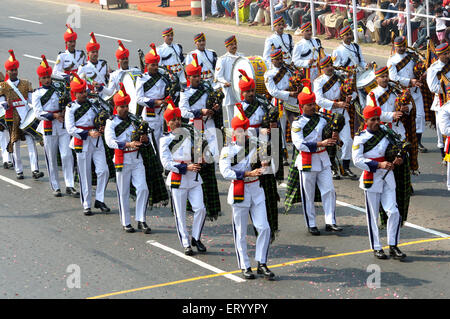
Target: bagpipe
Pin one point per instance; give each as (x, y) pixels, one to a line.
(215, 97)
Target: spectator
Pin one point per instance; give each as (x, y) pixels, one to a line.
(263, 13)
(401, 18)
(441, 26)
(296, 13)
(417, 21)
(253, 10)
(281, 10)
(370, 22)
(388, 22)
(333, 21)
(321, 10)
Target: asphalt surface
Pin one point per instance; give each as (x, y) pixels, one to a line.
(44, 237)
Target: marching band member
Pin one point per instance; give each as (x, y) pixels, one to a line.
(172, 55)
(327, 89)
(206, 57)
(278, 40)
(88, 146)
(46, 105)
(435, 74)
(385, 98)
(368, 154)
(313, 162)
(349, 54)
(223, 77)
(70, 60)
(15, 98)
(277, 84)
(306, 52)
(444, 124)
(184, 180)
(128, 162)
(246, 197)
(193, 108)
(401, 69)
(150, 94)
(95, 71)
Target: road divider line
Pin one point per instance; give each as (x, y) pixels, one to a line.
(273, 266)
(26, 20)
(109, 37)
(194, 260)
(8, 180)
(37, 58)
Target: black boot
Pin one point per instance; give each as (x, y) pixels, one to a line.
(263, 270)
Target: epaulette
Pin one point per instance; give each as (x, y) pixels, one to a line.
(360, 132)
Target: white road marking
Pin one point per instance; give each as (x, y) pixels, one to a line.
(195, 261)
(6, 179)
(37, 58)
(26, 20)
(109, 37)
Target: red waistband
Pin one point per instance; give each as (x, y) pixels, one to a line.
(378, 159)
(130, 151)
(255, 125)
(87, 128)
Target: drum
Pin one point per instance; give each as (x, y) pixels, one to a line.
(366, 81)
(255, 68)
(129, 79)
(2, 118)
(30, 125)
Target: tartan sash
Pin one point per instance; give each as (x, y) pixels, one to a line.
(307, 156)
(46, 97)
(122, 126)
(385, 96)
(329, 84)
(151, 83)
(403, 62)
(82, 110)
(197, 95)
(251, 108)
(175, 181)
(280, 74)
(369, 145)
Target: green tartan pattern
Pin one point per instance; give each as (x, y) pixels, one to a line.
(82, 110)
(210, 191)
(403, 192)
(197, 95)
(151, 83)
(269, 184)
(374, 140)
(46, 97)
(153, 176)
(122, 126)
(311, 125)
(251, 109)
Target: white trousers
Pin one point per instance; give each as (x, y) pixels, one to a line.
(51, 145)
(179, 199)
(324, 180)
(32, 152)
(240, 222)
(157, 124)
(4, 140)
(389, 203)
(132, 173)
(84, 161)
(440, 143)
(448, 176)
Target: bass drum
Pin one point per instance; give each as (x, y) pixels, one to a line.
(129, 79)
(30, 125)
(255, 67)
(366, 81)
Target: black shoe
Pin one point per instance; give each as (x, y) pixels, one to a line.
(332, 227)
(380, 254)
(197, 243)
(188, 251)
(102, 206)
(72, 192)
(37, 174)
(396, 253)
(314, 231)
(422, 149)
(247, 273)
(263, 270)
(87, 212)
(348, 173)
(57, 193)
(335, 174)
(5, 165)
(128, 229)
(19, 176)
(144, 227)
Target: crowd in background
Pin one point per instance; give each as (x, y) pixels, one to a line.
(373, 26)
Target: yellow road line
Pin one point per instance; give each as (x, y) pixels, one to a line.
(272, 266)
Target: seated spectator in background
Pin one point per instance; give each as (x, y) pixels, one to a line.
(388, 22)
(318, 11)
(370, 22)
(416, 21)
(263, 13)
(441, 25)
(253, 10)
(281, 10)
(229, 6)
(333, 21)
(296, 12)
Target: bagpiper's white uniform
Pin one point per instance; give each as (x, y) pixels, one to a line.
(223, 74)
(381, 191)
(145, 97)
(253, 205)
(93, 150)
(388, 109)
(304, 51)
(133, 171)
(98, 72)
(444, 124)
(207, 59)
(319, 174)
(23, 107)
(349, 55)
(66, 59)
(434, 84)
(176, 160)
(283, 42)
(58, 140)
(325, 101)
(404, 76)
(172, 57)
